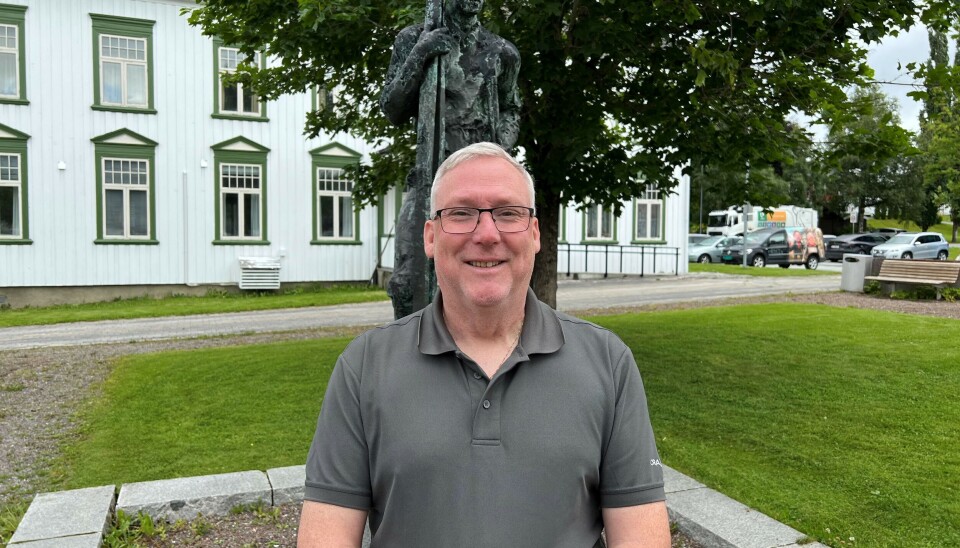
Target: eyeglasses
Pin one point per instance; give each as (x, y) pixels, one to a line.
(464, 220)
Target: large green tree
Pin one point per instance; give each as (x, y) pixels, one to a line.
(939, 138)
(617, 93)
(868, 151)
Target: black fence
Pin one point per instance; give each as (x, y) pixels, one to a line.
(609, 259)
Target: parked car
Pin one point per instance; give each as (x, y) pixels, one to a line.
(696, 238)
(710, 249)
(779, 246)
(889, 230)
(852, 243)
(914, 245)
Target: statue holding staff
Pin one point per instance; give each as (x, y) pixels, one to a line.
(459, 81)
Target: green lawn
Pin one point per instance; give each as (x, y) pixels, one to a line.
(767, 272)
(840, 422)
(146, 307)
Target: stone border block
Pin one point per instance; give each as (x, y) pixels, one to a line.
(66, 514)
(287, 483)
(674, 481)
(91, 540)
(714, 519)
(184, 498)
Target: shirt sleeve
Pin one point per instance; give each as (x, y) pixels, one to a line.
(337, 470)
(630, 473)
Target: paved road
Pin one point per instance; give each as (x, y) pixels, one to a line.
(571, 296)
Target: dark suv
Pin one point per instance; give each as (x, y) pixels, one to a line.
(779, 246)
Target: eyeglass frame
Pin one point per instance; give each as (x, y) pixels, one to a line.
(480, 211)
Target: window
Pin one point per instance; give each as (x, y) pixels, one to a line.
(235, 100)
(13, 88)
(123, 68)
(598, 223)
(125, 188)
(125, 198)
(240, 188)
(241, 206)
(334, 204)
(13, 186)
(334, 219)
(648, 221)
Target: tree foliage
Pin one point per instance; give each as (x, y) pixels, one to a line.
(617, 93)
(869, 155)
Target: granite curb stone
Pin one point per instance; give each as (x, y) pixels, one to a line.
(90, 540)
(714, 519)
(70, 514)
(184, 498)
(287, 483)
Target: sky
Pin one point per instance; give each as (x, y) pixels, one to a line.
(883, 58)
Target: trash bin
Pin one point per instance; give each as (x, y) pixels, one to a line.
(855, 267)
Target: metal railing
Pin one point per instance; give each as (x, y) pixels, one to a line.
(617, 259)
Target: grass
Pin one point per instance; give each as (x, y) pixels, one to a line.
(200, 412)
(181, 305)
(766, 272)
(840, 422)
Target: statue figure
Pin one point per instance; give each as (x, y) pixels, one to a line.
(459, 81)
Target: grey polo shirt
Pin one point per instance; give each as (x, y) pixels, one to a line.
(413, 431)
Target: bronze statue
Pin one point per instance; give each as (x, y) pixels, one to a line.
(459, 81)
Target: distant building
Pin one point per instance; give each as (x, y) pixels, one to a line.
(127, 167)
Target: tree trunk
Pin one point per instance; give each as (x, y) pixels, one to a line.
(544, 281)
(862, 214)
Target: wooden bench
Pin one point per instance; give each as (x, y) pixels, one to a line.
(939, 274)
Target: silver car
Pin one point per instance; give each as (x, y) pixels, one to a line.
(710, 249)
(914, 245)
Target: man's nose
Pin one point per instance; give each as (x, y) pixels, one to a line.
(486, 227)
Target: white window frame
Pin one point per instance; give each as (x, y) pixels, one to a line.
(240, 91)
(124, 66)
(241, 192)
(15, 50)
(598, 223)
(125, 188)
(339, 188)
(648, 201)
(18, 203)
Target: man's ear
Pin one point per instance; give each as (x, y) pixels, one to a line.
(428, 238)
(535, 227)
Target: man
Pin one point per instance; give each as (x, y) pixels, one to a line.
(486, 419)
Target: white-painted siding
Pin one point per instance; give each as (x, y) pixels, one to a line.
(62, 203)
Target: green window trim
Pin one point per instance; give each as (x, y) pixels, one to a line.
(105, 149)
(598, 240)
(15, 16)
(15, 142)
(122, 27)
(226, 152)
(659, 239)
(218, 114)
(321, 158)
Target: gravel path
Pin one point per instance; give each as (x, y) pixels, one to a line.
(41, 389)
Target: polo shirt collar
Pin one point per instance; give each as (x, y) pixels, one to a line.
(541, 333)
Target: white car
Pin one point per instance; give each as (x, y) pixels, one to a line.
(914, 245)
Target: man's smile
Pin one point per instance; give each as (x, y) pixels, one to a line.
(484, 264)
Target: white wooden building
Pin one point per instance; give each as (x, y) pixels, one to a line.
(126, 165)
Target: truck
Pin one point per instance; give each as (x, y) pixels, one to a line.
(730, 222)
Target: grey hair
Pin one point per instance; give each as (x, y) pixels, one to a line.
(474, 151)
